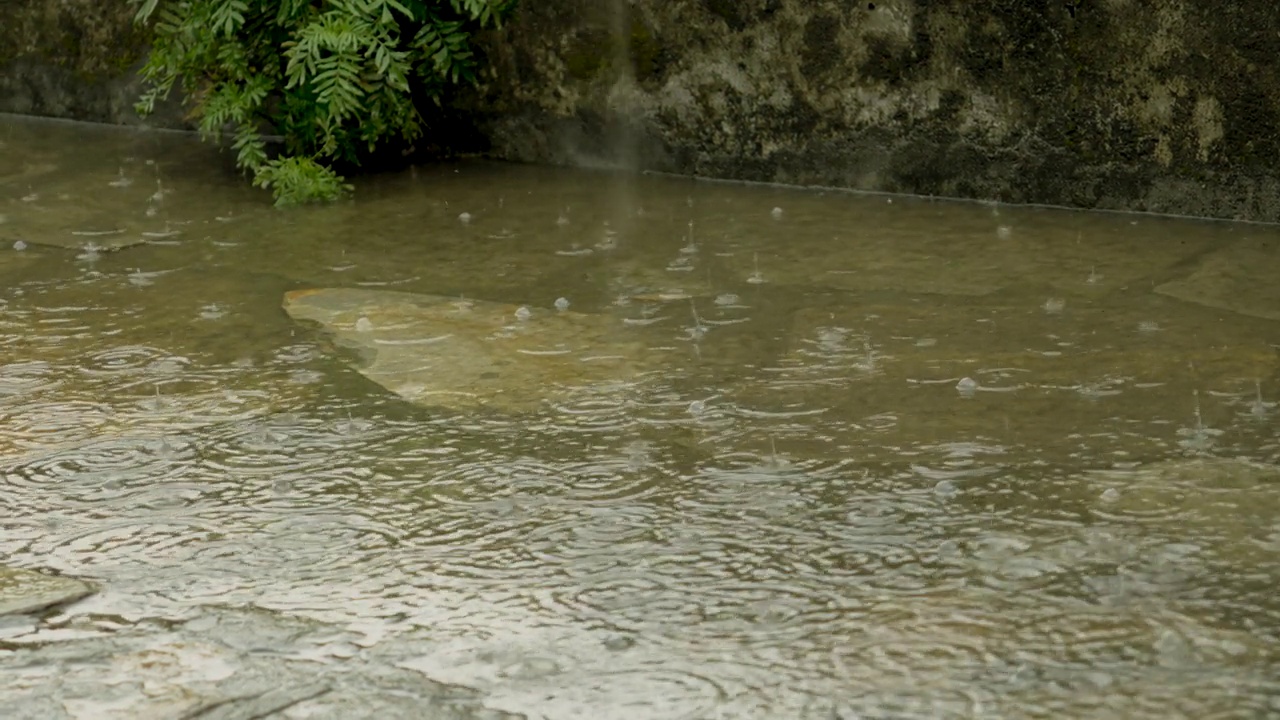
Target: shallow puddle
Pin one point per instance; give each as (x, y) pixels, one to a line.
(870, 457)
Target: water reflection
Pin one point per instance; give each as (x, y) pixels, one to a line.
(876, 473)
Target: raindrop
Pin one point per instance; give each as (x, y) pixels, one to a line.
(967, 387)
(139, 278)
(19, 245)
(465, 218)
(1258, 408)
(563, 219)
(726, 299)
(90, 253)
(1094, 276)
(1148, 326)
(1004, 232)
(756, 277)
(212, 311)
(690, 247)
(776, 213)
(121, 181)
(364, 325)
(698, 330)
(562, 304)
(1053, 306)
(523, 313)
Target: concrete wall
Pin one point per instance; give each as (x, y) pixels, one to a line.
(1162, 105)
(72, 59)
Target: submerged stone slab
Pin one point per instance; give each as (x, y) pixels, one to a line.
(1230, 506)
(1240, 278)
(27, 591)
(444, 351)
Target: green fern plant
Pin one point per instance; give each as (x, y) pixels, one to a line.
(332, 78)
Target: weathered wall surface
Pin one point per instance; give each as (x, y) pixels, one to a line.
(1162, 105)
(1170, 106)
(72, 59)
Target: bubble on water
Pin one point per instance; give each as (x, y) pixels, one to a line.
(776, 213)
(618, 643)
(697, 407)
(364, 325)
(523, 313)
(967, 386)
(726, 299)
(1110, 495)
(465, 218)
(19, 245)
(1053, 306)
(1004, 232)
(562, 304)
(945, 488)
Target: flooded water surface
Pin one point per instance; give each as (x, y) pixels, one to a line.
(488, 441)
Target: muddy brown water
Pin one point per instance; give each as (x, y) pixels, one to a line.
(875, 457)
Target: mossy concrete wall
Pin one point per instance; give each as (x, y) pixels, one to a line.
(72, 59)
(1169, 106)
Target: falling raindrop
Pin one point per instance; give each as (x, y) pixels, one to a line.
(690, 247)
(1094, 276)
(699, 330)
(756, 277)
(1259, 408)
